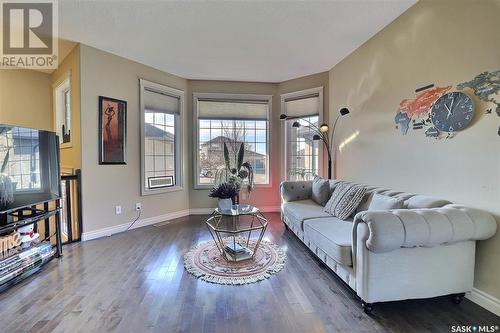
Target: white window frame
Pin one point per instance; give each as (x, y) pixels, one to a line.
(178, 149)
(284, 134)
(59, 89)
(220, 96)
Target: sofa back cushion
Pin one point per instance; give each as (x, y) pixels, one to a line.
(385, 202)
(333, 184)
(320, 190)
(295, 190)
(345, 199)
(423, 201)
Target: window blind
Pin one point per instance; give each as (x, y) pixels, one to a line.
(232, 110)
(303, 106)
(159, 102)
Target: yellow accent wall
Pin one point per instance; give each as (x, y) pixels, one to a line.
(439, 42)
(71, 156)
(26, 99)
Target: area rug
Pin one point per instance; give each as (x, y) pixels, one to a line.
(206, 263)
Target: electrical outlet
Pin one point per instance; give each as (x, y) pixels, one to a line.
(118, 210)
(138, 206)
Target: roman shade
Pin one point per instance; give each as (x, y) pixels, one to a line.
(308, 105)
(233, 109)
(160, 102)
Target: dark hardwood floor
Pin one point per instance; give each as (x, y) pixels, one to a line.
(135, 282)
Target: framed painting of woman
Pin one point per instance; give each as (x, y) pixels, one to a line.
(112, 131)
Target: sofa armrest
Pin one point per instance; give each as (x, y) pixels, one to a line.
(295, 190)
(390, 230)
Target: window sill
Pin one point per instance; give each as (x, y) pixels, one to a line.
(162, 191)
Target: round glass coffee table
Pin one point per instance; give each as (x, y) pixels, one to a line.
(232, 229)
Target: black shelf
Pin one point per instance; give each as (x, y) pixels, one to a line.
(9, 223)
(37, 215)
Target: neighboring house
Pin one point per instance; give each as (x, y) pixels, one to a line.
(212, 156)
(24, 157)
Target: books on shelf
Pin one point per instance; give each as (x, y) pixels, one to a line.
(22, 262)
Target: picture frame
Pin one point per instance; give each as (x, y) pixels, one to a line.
(112, 131)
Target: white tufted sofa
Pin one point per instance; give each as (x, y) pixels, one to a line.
(424, 250)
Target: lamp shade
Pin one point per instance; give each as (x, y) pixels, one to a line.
(344, 111)
(323, 128)
(316, 137)
(283, 116)
(296, 124)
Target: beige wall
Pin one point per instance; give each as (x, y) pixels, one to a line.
(104, 186)
(440, 42)
(26, 99)
(307, 82)
(71, 156)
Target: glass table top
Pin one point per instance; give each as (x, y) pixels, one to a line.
(237, 210)
(241, 218)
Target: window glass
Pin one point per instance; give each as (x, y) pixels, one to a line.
(302, 150)
(161, 137)
(211, 146)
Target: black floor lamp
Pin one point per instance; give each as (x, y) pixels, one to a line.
(321, 133)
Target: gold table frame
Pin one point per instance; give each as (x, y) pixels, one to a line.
(217, 228)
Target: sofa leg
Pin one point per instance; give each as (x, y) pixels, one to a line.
(458, 298)
(367, 307)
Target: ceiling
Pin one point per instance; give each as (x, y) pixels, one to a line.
(269, 41)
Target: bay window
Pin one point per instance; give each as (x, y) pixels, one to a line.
(231, 119)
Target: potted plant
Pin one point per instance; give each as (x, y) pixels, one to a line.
(237, 171)
(225, 192)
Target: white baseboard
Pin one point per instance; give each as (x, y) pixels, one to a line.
(201, 211)
(270, 209)
(157, 219)
(485, 300)
(140, 223)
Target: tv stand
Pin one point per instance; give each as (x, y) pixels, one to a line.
(18, 265)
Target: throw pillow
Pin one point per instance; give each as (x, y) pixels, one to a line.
(384, 202)
(320, 190)
(345, 199)
(365, 202)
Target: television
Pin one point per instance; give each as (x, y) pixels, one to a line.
(29, 167)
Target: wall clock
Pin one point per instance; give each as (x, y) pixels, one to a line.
(452, 112)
